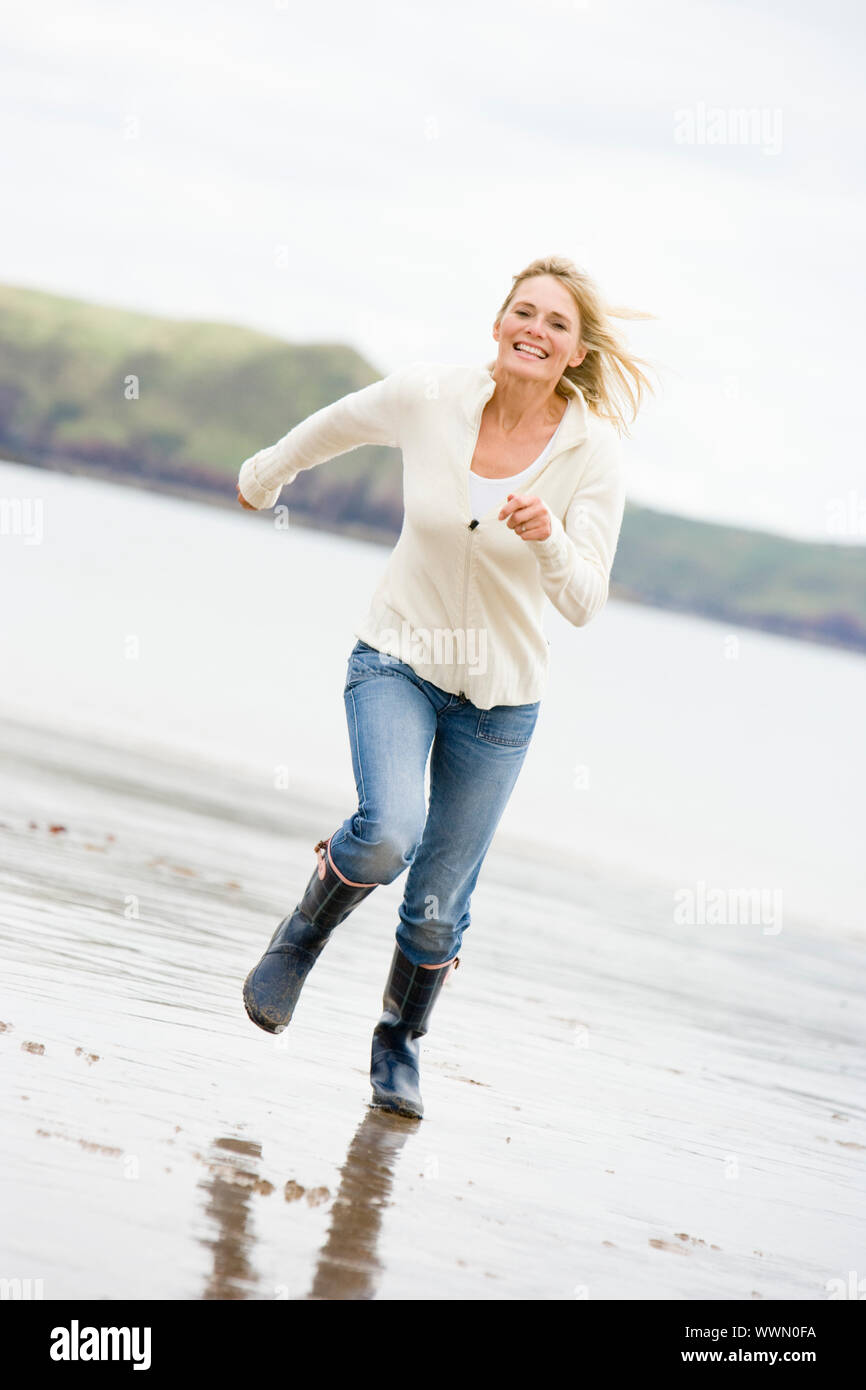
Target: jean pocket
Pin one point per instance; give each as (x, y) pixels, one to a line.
(366, 661)
(511, 725)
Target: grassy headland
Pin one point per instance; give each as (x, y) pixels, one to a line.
(177, 406)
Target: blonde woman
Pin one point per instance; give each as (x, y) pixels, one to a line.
(513, 495)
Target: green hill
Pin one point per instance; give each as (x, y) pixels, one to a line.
(208, 396)
(178, 405)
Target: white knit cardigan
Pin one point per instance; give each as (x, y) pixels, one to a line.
(461, 598)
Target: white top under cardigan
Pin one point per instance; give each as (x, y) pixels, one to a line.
(483, 492)
(461, 598)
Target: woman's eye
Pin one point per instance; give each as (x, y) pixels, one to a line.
(524, 313)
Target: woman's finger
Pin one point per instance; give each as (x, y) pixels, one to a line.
(528, 518)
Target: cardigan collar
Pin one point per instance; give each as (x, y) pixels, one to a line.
(574, 426)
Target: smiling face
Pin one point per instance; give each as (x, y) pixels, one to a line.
(539, 333)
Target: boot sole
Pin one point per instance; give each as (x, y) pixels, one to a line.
(261, 1020)
(396, 1107)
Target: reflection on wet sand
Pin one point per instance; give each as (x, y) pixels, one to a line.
(348, 1266)
(230, 1183)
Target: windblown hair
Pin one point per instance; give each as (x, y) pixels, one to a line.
(609, 376)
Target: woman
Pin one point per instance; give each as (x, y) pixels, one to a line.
(513, 493)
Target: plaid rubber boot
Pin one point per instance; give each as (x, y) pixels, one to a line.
(272, 987)
(410, 993)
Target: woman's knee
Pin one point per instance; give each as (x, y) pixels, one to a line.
(391, 849)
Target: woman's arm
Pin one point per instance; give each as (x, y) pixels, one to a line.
(576, 559)
(369, 416)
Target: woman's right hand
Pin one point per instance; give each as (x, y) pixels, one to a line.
(243, 501)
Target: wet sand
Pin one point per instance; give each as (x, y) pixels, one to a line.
(617, 1107)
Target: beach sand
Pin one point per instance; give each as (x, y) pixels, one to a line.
(625, 1108)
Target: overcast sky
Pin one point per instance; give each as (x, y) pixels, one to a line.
(376, 173)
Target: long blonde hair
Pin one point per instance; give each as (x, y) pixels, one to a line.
(609, 376)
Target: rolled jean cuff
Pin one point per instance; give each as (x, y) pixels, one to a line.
(419, 956)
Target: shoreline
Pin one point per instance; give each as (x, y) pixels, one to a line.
(213, 489)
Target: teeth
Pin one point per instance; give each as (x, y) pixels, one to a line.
(524, 347)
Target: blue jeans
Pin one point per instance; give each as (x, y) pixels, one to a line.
(394, 716)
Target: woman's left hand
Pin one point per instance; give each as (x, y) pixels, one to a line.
(528, 516)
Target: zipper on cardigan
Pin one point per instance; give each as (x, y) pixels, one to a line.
(471, 527)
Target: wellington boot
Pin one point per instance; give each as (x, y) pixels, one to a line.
(410, 993)
(272, 987)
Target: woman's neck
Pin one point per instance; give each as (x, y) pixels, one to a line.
(520, 407)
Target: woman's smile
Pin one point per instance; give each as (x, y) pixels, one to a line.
(530, 350)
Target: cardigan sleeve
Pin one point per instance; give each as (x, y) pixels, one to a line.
(369, 416)
(576, 558)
